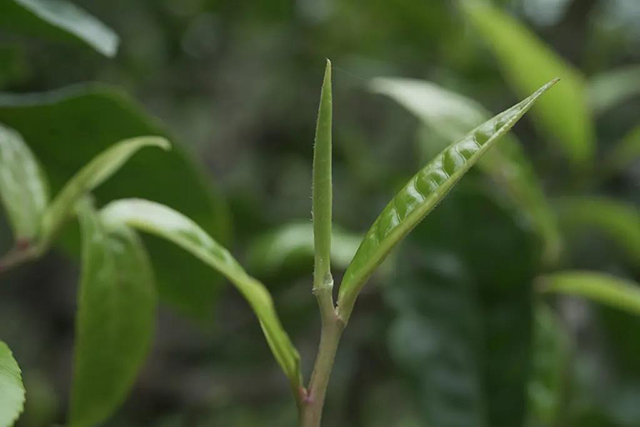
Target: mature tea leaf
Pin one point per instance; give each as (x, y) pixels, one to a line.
(527, 63)
(322, 191)
(464, 310)
(292, 246)
(599, 287)
(23, 187)
(67, 128)
(421, 194)
(608, 89)
(617, 220)
(58, 20)
(169, 224)
(115, 320)
(451, 115)
(89, 177)
(12, 395)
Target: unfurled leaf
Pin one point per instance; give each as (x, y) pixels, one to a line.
(115, 320)
(322, 191)
(451, 116)
(12, 395)
(292, 245)
(625, 153)
(420, 195)
(58, 20)
(169, 224)
(66, 128)
(599, 287)
(23, 188)
(613, 87)
(90, 176)
(615, 219)
(528, 63)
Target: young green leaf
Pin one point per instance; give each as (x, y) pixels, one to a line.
(421, 194)
(451, 115)
(169, 224)
(183, 282)
(90, 176)
(599, 287)
(617, 220)
(12, 394)
(322, 191)
(23, 188)
(60, 20)
(527, 63)
(613, 87)
(115, 320)
(292, 245)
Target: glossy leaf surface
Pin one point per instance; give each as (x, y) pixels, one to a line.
(169, 224)
(23, 187)
(58, 20)
(12, 395)
(292, 247)
(528, 63)
(115, 320)
(599, 287)
(322, 191)
(618, 221)
(421, 194)
(65, 129)
(463, 329)
(98, 170)
(451, 115)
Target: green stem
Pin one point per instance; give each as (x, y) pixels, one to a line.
(332, 327)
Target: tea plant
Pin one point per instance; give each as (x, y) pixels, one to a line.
(116, 301)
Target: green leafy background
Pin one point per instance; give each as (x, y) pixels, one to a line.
(453, 329)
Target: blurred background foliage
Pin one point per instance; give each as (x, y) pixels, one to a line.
(452, 332)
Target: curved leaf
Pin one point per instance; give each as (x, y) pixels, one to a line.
(528, 63)
(617, 220)
(322, 191)
(599, 287)
(66, 128)
(12, 394)
(420, 195)
(23, 187)
(58, 19)
(169, 224)
(116, 314)
(89, 177)
(613, 87)
(451, 115)
(292, 245)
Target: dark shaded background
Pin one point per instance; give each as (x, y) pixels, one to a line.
(239, 82)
